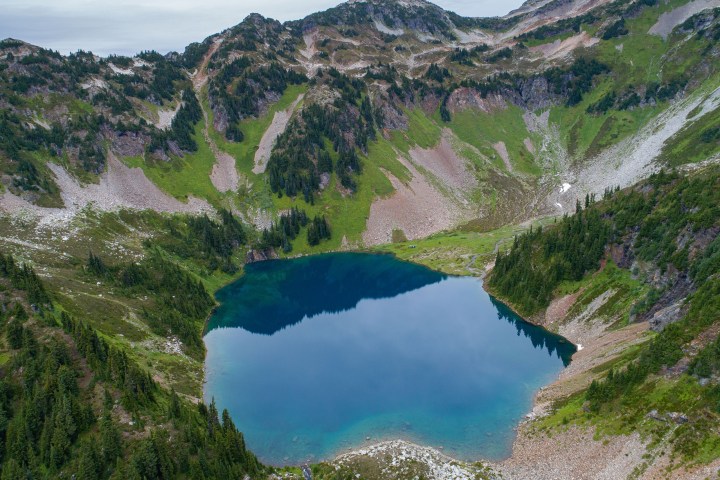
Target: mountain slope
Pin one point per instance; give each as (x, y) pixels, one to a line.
(634, 278)
(550, 95)
(137, 187)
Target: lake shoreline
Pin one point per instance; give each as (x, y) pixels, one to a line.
(571, 453)
(529, 449)
(555, 344)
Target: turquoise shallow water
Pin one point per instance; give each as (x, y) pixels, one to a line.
(311, 356)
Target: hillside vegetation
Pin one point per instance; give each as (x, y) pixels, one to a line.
(663, 232)
(571, 142)
(474, 120)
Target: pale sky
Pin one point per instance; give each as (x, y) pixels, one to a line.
(129, 26)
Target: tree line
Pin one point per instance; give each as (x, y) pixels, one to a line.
(62, 392)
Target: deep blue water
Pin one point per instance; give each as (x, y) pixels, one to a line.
(311, 356)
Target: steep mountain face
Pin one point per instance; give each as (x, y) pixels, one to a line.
(392, 109)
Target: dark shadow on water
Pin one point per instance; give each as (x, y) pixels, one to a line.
(438, 361)
(276, 294)
(539, 337)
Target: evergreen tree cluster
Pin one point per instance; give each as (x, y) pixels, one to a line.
(204, 240)
(19, 143)
(465, 56)
(540, 260)
(616, 29)
(576, 80)
(23, 277)
(218, 240)
(707, 362)
(630, 98)
(436, 73)
(43, 414)
(284, 231)
(165, 74)
(502, 54)
(318, 230)
(81, 135)
(428, 18)
(181, 302)
(567, 83)
(182, 127)
(666, 349)
(155, 82)
(61, 394)
(194, 53)
(662, 216)
(110, 364)
(656, 213)
(241, 90)
(301, 153)
(96, 266)
(381, 71)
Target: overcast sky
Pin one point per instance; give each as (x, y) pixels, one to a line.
(129, 26)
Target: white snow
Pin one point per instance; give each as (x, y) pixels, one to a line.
(565, 187)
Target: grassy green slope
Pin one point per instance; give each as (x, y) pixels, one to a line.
(184, 176)
(483, 130)
(664, 373)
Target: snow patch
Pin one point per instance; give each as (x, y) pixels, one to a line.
(565, 187)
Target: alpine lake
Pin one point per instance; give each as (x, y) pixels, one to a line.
(317, 355)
